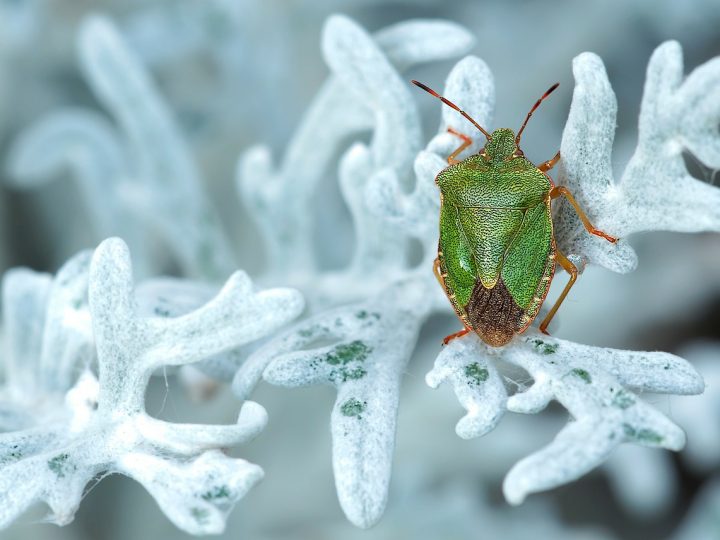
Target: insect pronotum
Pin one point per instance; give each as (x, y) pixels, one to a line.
(497, 251)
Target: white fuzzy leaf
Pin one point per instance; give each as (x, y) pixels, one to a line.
(369, 346)
(476, 383)
(196, 495)
(605, 412)
(100, 426)
(656, 191)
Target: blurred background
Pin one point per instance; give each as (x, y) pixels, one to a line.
(236, 73)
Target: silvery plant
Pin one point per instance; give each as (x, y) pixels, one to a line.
(80, 347)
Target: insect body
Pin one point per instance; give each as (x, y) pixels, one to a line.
(497, 253)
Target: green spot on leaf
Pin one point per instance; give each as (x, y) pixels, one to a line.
(13, 455)
(545, 348)
(201, 515)
(623, 400)
(59, 465)
(344, 374)
(353, 407)
(583, 374)
(312, 331)
(362, 315)
(476, 374)
(355, 351)
(642, 435)
(345, 354)
(305, 332)
(218, 492)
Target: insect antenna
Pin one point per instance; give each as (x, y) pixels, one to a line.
(452, 105)
(534, 107)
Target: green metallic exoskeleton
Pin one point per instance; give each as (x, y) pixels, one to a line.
(497, 253)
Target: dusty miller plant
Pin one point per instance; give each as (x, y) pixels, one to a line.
(363, 321)
(66, 423)
(362, 348)
(136, 174)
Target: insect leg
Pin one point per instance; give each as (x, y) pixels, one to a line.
(550, 163)
(467, 141)
(570, 269)
(461, 333)
(565, 192)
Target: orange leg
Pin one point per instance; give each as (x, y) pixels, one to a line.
(550, 163)
(441, 281)
(570, 269)
(467, 141)
(565, 192)
(461, 333)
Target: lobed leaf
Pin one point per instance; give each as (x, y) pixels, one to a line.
(361, 349)
(101, 425)
(605, 410)
(656, 192)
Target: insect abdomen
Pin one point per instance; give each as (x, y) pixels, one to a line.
(494, 314)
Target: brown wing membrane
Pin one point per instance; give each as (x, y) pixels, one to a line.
(493, 313)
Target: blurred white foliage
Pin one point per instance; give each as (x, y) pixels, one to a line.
(168, 31)
(224, 47)
(91, 426)
(136, 176)
(19, 22)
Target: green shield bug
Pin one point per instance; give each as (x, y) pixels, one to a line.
(497, 252)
